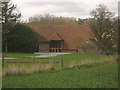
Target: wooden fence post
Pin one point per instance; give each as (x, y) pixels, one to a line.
(34, 59)
(62, 62)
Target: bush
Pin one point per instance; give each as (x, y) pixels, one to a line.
(22, 38)
(87, 47)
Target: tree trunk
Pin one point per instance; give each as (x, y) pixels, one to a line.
(6, 47)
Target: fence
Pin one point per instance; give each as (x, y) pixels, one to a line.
(34, 61)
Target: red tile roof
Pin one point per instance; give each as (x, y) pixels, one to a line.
(72, 35)
(54, 36)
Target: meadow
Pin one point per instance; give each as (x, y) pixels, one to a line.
(69, 61)
(80, 71)
(104, 76)
(11, 54)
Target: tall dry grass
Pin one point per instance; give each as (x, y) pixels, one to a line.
(21, 69)
(90, 62)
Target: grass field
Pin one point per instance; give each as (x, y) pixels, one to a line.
(103, 76)
(69, 61)
(80, 71)
(18, 54)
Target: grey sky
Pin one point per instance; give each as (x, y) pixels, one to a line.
(67, 8)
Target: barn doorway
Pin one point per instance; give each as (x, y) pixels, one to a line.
(56, 45)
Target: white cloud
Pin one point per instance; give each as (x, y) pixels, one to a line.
(70, 8)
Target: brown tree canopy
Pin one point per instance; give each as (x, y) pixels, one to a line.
(103, 28)
(52, 20)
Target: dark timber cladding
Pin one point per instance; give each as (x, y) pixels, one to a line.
(43, 44)
(55, 42)
(43, 47)
(57, 38)
(56, 46)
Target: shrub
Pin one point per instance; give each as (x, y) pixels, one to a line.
(22, 38)
(87, 47)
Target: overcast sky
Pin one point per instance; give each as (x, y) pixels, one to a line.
(67, 8)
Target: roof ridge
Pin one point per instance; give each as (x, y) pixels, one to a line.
(57, 25)
(53, 35)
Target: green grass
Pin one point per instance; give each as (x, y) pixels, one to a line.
(9, 54)
(68, 59)
(95, 75)
(102, 76)
(78, 57)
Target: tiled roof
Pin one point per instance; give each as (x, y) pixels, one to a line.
(71, 34)
(41, 38)
(54, 36)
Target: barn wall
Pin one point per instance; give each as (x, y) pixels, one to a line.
(44, 47)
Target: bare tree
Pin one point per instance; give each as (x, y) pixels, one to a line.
(52, 20)
(103, 28)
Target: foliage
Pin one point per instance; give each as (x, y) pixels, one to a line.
(52, 20)
(10, 15)
(114, 37)
(87, 47)
(81, 21)
(103, 28)
(22, 38)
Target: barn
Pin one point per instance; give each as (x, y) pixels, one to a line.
(61, 38)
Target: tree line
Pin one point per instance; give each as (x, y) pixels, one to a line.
(55, 20)
(51, 20)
